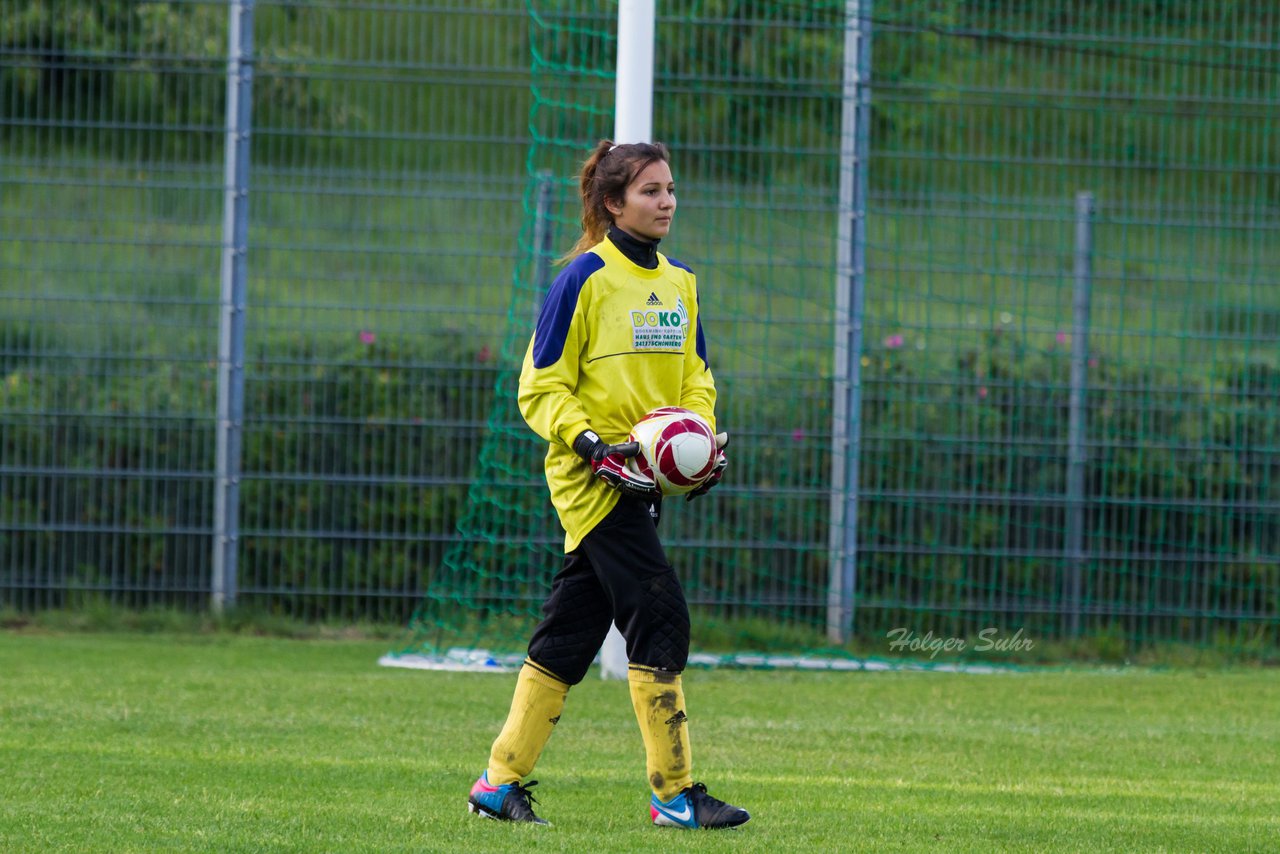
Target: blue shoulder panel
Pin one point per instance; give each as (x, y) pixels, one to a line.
(700, 342)
(557, 308)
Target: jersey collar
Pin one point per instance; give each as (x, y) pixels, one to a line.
(642, 253)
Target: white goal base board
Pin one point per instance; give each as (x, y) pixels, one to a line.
(483, 661)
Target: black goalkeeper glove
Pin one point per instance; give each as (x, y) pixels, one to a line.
(722, 442)
(609, 463)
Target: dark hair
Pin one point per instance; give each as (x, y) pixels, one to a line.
(606, 174)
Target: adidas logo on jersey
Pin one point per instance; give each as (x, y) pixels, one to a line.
(653, 299)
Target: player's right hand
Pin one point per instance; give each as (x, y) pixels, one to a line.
(609, 463)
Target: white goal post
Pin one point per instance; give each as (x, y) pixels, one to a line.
(632, 122)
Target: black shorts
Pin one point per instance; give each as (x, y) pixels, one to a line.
(619, 573)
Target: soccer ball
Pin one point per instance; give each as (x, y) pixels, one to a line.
(677, 449)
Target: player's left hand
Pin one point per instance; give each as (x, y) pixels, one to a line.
(722, 442)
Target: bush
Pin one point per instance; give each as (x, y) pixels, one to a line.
(358, 459)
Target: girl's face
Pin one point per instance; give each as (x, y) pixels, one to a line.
(649, 205)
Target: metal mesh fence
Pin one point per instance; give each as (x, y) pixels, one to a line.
(387, 171)
(383, 246)
(109, 257)
(394, 152)
(992, 116)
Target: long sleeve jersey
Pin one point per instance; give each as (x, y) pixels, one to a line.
(613, 341)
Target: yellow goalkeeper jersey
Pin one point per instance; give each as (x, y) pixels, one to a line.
(614, 340)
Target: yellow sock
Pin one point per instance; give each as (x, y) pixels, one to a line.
(658, 699)
(535, 709)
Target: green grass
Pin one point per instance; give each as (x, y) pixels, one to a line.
(214, 742)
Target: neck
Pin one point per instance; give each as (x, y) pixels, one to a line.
(638, 250)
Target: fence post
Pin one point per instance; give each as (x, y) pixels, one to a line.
(1076, 453)
(851, 270)
(235, 242)
(543, 229)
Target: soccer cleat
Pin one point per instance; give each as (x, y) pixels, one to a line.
(694, 808)
(508, 802)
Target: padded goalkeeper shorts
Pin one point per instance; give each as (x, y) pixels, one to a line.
(619, 573)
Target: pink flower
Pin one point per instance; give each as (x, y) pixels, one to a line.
(1061, 338)
(893, 342)
(484, 354)
(367, 337)
(982, 391)
(1093, 363)
(797, 435)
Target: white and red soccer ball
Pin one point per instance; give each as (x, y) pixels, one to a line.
(677, 449)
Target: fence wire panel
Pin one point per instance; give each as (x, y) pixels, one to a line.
(990, 117)
(110, 237)
(1074, 444)
(388, 180)
(387, 173)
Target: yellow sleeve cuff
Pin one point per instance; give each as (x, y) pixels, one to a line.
(568, 434)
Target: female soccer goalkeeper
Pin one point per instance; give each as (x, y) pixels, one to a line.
(618, 336)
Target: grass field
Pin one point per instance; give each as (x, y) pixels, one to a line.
(119, 742)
